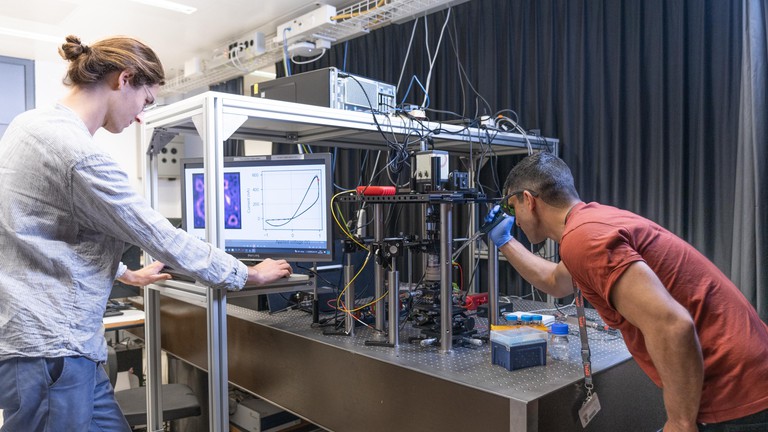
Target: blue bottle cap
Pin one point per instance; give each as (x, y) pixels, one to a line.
(537, 317)
(526, 318)
(559, 329)
(509, 316)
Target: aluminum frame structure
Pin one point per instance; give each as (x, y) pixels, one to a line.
(216, 117)
(343, 384)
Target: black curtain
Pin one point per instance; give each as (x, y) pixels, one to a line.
(644, 96)
(750, 257)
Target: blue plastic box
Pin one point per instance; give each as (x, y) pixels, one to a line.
(518, 356)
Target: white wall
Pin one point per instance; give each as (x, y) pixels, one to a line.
(123, 147)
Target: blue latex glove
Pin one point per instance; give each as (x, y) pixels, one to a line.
(500, 234)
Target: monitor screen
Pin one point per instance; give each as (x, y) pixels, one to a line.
(274, 206)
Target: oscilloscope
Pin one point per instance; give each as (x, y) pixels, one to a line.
(274, 206)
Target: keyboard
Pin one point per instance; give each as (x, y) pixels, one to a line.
(112, 312)
(293, 278)
(177, 275)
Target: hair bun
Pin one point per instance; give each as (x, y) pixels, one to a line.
(73, 48)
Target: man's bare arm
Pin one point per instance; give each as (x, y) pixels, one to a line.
(552, 278)
(671, 339)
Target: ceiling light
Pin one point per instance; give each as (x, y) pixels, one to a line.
(165, 4)
(31, 35)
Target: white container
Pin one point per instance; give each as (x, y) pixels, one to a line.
(558, 343)
(517, 336)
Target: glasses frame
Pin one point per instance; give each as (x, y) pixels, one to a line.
(508, 208)
(151, 105)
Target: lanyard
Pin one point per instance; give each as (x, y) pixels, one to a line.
(585, 353)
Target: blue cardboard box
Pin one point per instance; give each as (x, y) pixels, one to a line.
(518, 356)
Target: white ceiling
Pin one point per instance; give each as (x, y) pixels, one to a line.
(176, 37)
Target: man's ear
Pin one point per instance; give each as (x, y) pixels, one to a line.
(124, 79)
(529, 201)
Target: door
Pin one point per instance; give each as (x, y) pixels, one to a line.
(17, 89)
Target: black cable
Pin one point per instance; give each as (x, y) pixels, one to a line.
(492, 160)
(457, 115)
(362, 168)
(458, 63)
(316, 273)
(370, 105)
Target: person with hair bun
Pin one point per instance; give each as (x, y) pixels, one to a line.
(66, 211)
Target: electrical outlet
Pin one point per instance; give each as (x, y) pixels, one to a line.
(248, 45)
(169, 159)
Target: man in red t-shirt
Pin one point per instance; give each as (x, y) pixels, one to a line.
(685, 323)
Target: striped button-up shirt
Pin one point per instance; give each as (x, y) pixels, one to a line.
(66, 212)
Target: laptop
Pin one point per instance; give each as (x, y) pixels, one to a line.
(292, 279)
(275, 206)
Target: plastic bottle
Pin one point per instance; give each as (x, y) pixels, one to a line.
(510, 318)
(558, 345)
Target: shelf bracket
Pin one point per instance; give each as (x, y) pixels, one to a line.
(230, 124)
(160, 138)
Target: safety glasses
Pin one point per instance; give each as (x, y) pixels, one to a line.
(506, 207)
(150, 105)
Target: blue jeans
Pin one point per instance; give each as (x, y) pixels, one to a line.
(757, 422)
(57, 394)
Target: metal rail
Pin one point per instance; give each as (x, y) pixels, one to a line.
(352, 21)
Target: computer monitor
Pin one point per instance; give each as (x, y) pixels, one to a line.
(274, 206)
